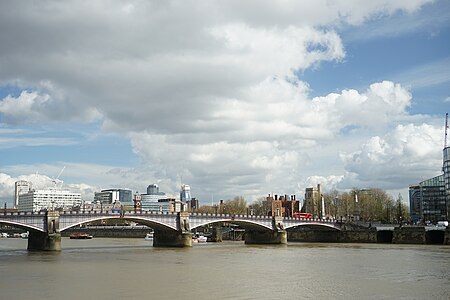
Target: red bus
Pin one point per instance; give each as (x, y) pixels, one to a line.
(299, 215)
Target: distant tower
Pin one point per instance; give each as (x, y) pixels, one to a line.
(185, 193)
(313, 203)
(20, 187)
(137, 202)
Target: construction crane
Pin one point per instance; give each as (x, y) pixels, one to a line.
(446, 128)
(57, 178)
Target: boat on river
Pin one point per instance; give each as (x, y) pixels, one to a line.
(80, 236)
(149, 236)
(202, 239)
(199, 239)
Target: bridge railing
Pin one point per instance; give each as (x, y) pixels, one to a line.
(310, 220)
(229, 216)
(23, 213)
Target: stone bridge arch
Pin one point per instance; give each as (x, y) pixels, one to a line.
(23, 226)
(152, 223)
(246, 224)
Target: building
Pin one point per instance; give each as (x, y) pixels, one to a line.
(313, 201)
(165, 205)
(137, 199)
(38, 200)
(192, 205)
(283, 205)
(20, 187)
(123, 196)
(446, 174)
(427, 201)
(150, 200)
(185, 193)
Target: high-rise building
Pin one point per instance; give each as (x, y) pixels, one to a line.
(446, 171)
(20, 187)
(185, 193)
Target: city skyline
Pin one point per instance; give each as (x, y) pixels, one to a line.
(231, 100)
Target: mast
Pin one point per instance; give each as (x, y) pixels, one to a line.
(446, 128)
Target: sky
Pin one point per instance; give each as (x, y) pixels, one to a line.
(234, 98)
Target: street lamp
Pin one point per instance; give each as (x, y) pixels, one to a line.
(336, 200)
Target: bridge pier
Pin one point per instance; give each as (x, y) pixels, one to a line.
(182, 237)
(278, 235)
(165, 238)
(50, 239)
(43, 241)
(216, 234)
(265, 237)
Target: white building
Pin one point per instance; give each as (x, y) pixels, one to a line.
(20, 187)
(37, 200)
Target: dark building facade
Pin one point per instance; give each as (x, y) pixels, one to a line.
(428, 201)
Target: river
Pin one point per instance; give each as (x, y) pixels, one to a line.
(133, 269)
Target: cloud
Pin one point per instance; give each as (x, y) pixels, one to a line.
(272, 136)
(35, 107)
(205, 92)
(401, 157)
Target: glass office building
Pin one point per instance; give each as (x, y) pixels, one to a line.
(428, 201)
(446, 171)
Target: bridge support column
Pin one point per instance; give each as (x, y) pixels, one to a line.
(265, 237)
(50, 240)
(182, 237)
(276, 236)
(216, 234)
(165, 238)
(43, 241)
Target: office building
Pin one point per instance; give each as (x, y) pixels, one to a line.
(150, 200)
(110, 196)
(20, 187)
(39, 200)
(427, 201)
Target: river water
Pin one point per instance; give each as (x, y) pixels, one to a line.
(133, 269)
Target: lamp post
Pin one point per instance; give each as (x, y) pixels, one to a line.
(336, 200)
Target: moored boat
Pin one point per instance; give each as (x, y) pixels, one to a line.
(80, 236)
(202, 239)
(149, 236)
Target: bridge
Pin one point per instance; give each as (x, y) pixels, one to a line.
(170, 229)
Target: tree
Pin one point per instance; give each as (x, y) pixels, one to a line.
(237, 206)
(402, 210)
(206, 209)
(260, 207)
